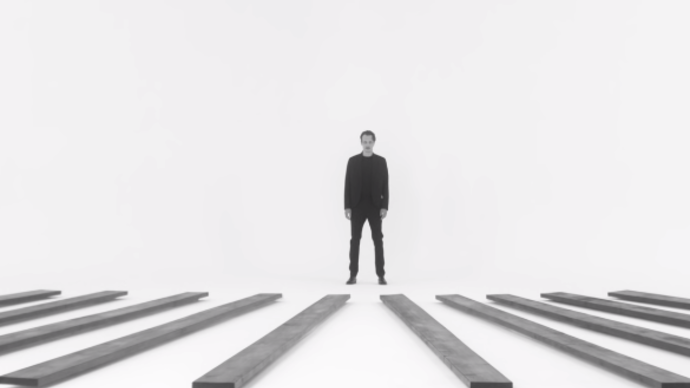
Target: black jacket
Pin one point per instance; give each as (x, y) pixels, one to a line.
(379, 181)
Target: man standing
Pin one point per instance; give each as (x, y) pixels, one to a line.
(366, 198)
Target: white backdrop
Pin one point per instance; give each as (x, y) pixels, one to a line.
(211, 137)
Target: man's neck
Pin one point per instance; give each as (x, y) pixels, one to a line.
(367, 155)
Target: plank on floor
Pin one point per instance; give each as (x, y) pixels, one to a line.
(648, 313)
(658, 299)
(49, 308)
(624, 365)
(28, 296)
(245, 365)
(473, 370)
(42, 334)
(82, 361)
(643, 335)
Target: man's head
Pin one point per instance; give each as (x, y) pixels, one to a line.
(368, 139)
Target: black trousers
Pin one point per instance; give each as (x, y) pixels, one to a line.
(365, 210)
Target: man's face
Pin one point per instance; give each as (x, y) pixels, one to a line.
(368, 143)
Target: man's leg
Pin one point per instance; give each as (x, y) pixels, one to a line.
(357, 219)
(375, 223)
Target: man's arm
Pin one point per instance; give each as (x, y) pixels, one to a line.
(385, 185)
(347, 186)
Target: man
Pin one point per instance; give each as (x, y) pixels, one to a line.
(366, 198)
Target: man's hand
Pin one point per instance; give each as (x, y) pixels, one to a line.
(383, 213)
(348, 213)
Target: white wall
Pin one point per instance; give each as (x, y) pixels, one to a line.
(212, 136)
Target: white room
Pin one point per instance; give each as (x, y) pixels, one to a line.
(160, 147)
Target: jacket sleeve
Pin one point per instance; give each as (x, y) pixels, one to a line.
(384, 204)
(347, 185)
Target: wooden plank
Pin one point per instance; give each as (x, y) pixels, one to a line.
(619, 363)
(473, 370)
(49, 308)
(42, 334)
(82, 361)
(658, 299)
(610, 306)
(245, 365)
(28, 296)
(642, 335)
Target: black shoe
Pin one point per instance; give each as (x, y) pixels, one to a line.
(382, 281)
(351, 280)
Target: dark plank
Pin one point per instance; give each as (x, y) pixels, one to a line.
(658, 299)
(49, 308)
(648, 313)
(245, 365)
(473, 370)
(28, 296)
(51, 332)
(643, 335)
(619, 363)
(80, 362)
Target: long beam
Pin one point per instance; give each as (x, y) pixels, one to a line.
(43, 309)
(642, 335)
(42, 334)
(252, 360)
(82, 361)
(471, 368)
(624, 365)
(648, 313)
(27, 296)
(647, 297)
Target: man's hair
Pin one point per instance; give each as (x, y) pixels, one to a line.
(373, 137)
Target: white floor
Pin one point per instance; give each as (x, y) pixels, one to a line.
(363, 344)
